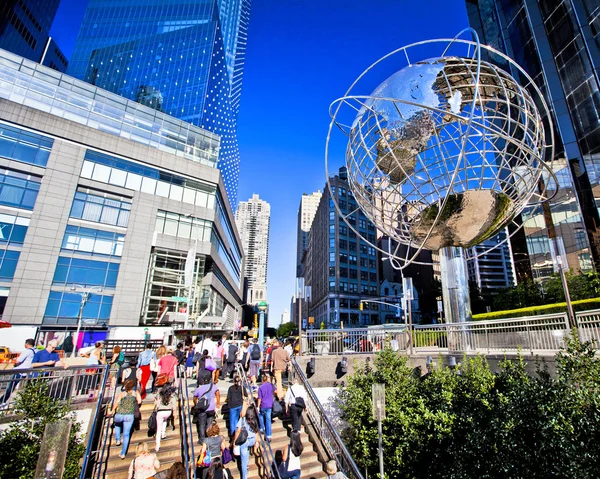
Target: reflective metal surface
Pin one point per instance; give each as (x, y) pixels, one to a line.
(455, 286)
(447, 150)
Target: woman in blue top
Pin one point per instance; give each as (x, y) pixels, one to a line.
(189, 364)
(248, 421)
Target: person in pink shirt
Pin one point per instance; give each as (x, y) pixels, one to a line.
(145, 465)
(167, 364)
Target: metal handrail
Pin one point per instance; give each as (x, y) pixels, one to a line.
(268, 457)
(187, 432)
(88, 449)
(338, 450)
(105, 438)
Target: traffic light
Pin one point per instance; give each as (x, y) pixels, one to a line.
(360, 306)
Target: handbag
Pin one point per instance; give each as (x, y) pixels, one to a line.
(162, 379)
(154, 365)
(210, 364)
(300, 403)
(226, 456)
(137, 415)
(152, 424)
(243, 435)
(277, 408)
(236, 450)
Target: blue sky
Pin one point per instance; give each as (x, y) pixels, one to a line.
(301, 56)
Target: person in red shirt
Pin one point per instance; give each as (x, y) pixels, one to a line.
(168, 364)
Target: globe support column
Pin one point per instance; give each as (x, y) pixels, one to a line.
(455, 284)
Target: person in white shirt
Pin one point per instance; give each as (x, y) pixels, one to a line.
(208, 344)
(289, 348)
(24, 361)
(294, 406)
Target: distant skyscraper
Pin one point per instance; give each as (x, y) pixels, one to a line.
(492, 268)
(340, 268)
(24, 29)
(182, 58)
(285, 316)
(306, 214)
(558, 43)
(253, 219)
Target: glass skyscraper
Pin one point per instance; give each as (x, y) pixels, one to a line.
(24, 29)
(557, 43)
(181, 57)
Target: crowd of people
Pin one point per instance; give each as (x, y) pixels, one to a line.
(250, 411)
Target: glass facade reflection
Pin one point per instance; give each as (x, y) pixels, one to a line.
(184, 59)
(30, 84)
(546, 39)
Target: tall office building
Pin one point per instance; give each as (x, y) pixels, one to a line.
(490, 265)
(340, 268)
(306, 214)
(558, 43)
(182, 58)
(24, 31)
(83, 209)
(253, 219)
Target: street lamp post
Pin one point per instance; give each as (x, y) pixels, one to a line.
(85, 296)
(378, 399)
(262, 308)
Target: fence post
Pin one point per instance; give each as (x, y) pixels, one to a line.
(487, 338)
(529, 338)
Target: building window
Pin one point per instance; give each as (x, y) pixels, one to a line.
(353, 273)
(343, 258)
(174, 224)
(372, 264)
(343, 244)
(332, 271)
(24, 146)
(85, 272)
(343, 230)
(352, 288)
(115, 171)
(63, 308)
(343, 272)
(18, 189)
(373, 277)
(232, 264)
(8, 264)
(100, 209)
(364, 289)
(13, 229)
(91, 241)
(362, 224)
(352, 246)
(343, 286)
(332, 286)
(352, 260)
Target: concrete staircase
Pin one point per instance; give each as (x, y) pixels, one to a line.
(170, 448)
(311, 467)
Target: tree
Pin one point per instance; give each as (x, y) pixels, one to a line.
(20, 443)
(526, 293)
(472, 423)
(286, 329)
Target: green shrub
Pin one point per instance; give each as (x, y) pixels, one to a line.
(581, 305)
(478, 424)
(20, 443)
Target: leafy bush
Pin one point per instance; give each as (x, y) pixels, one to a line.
(581, 305)
(473, 424)
(20, 443)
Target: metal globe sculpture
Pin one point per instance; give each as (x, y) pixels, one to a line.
(448, 149)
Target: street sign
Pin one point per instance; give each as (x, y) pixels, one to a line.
(378, 399)
(179, 299)
(311, 320)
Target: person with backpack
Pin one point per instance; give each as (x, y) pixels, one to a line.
(254, 359)
(291, 457)
(243, 354)
(295, 403)
(230, 359)
(116, 363)
(266, 393)
(165, 404)
(180, 354)
(246, 428)
(124, 412)
(207, 399)
(212, 448)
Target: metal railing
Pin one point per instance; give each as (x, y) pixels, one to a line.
(327, 432)
(533, 334)
(269, 468)
(75, 384)
(103, 441)
(185, 426)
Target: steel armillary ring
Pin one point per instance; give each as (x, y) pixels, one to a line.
(448, 150)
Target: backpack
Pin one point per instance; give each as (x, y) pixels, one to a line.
(232, 353)
(255, 353)
(180, 355)
(197, 357)
(204, 401)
